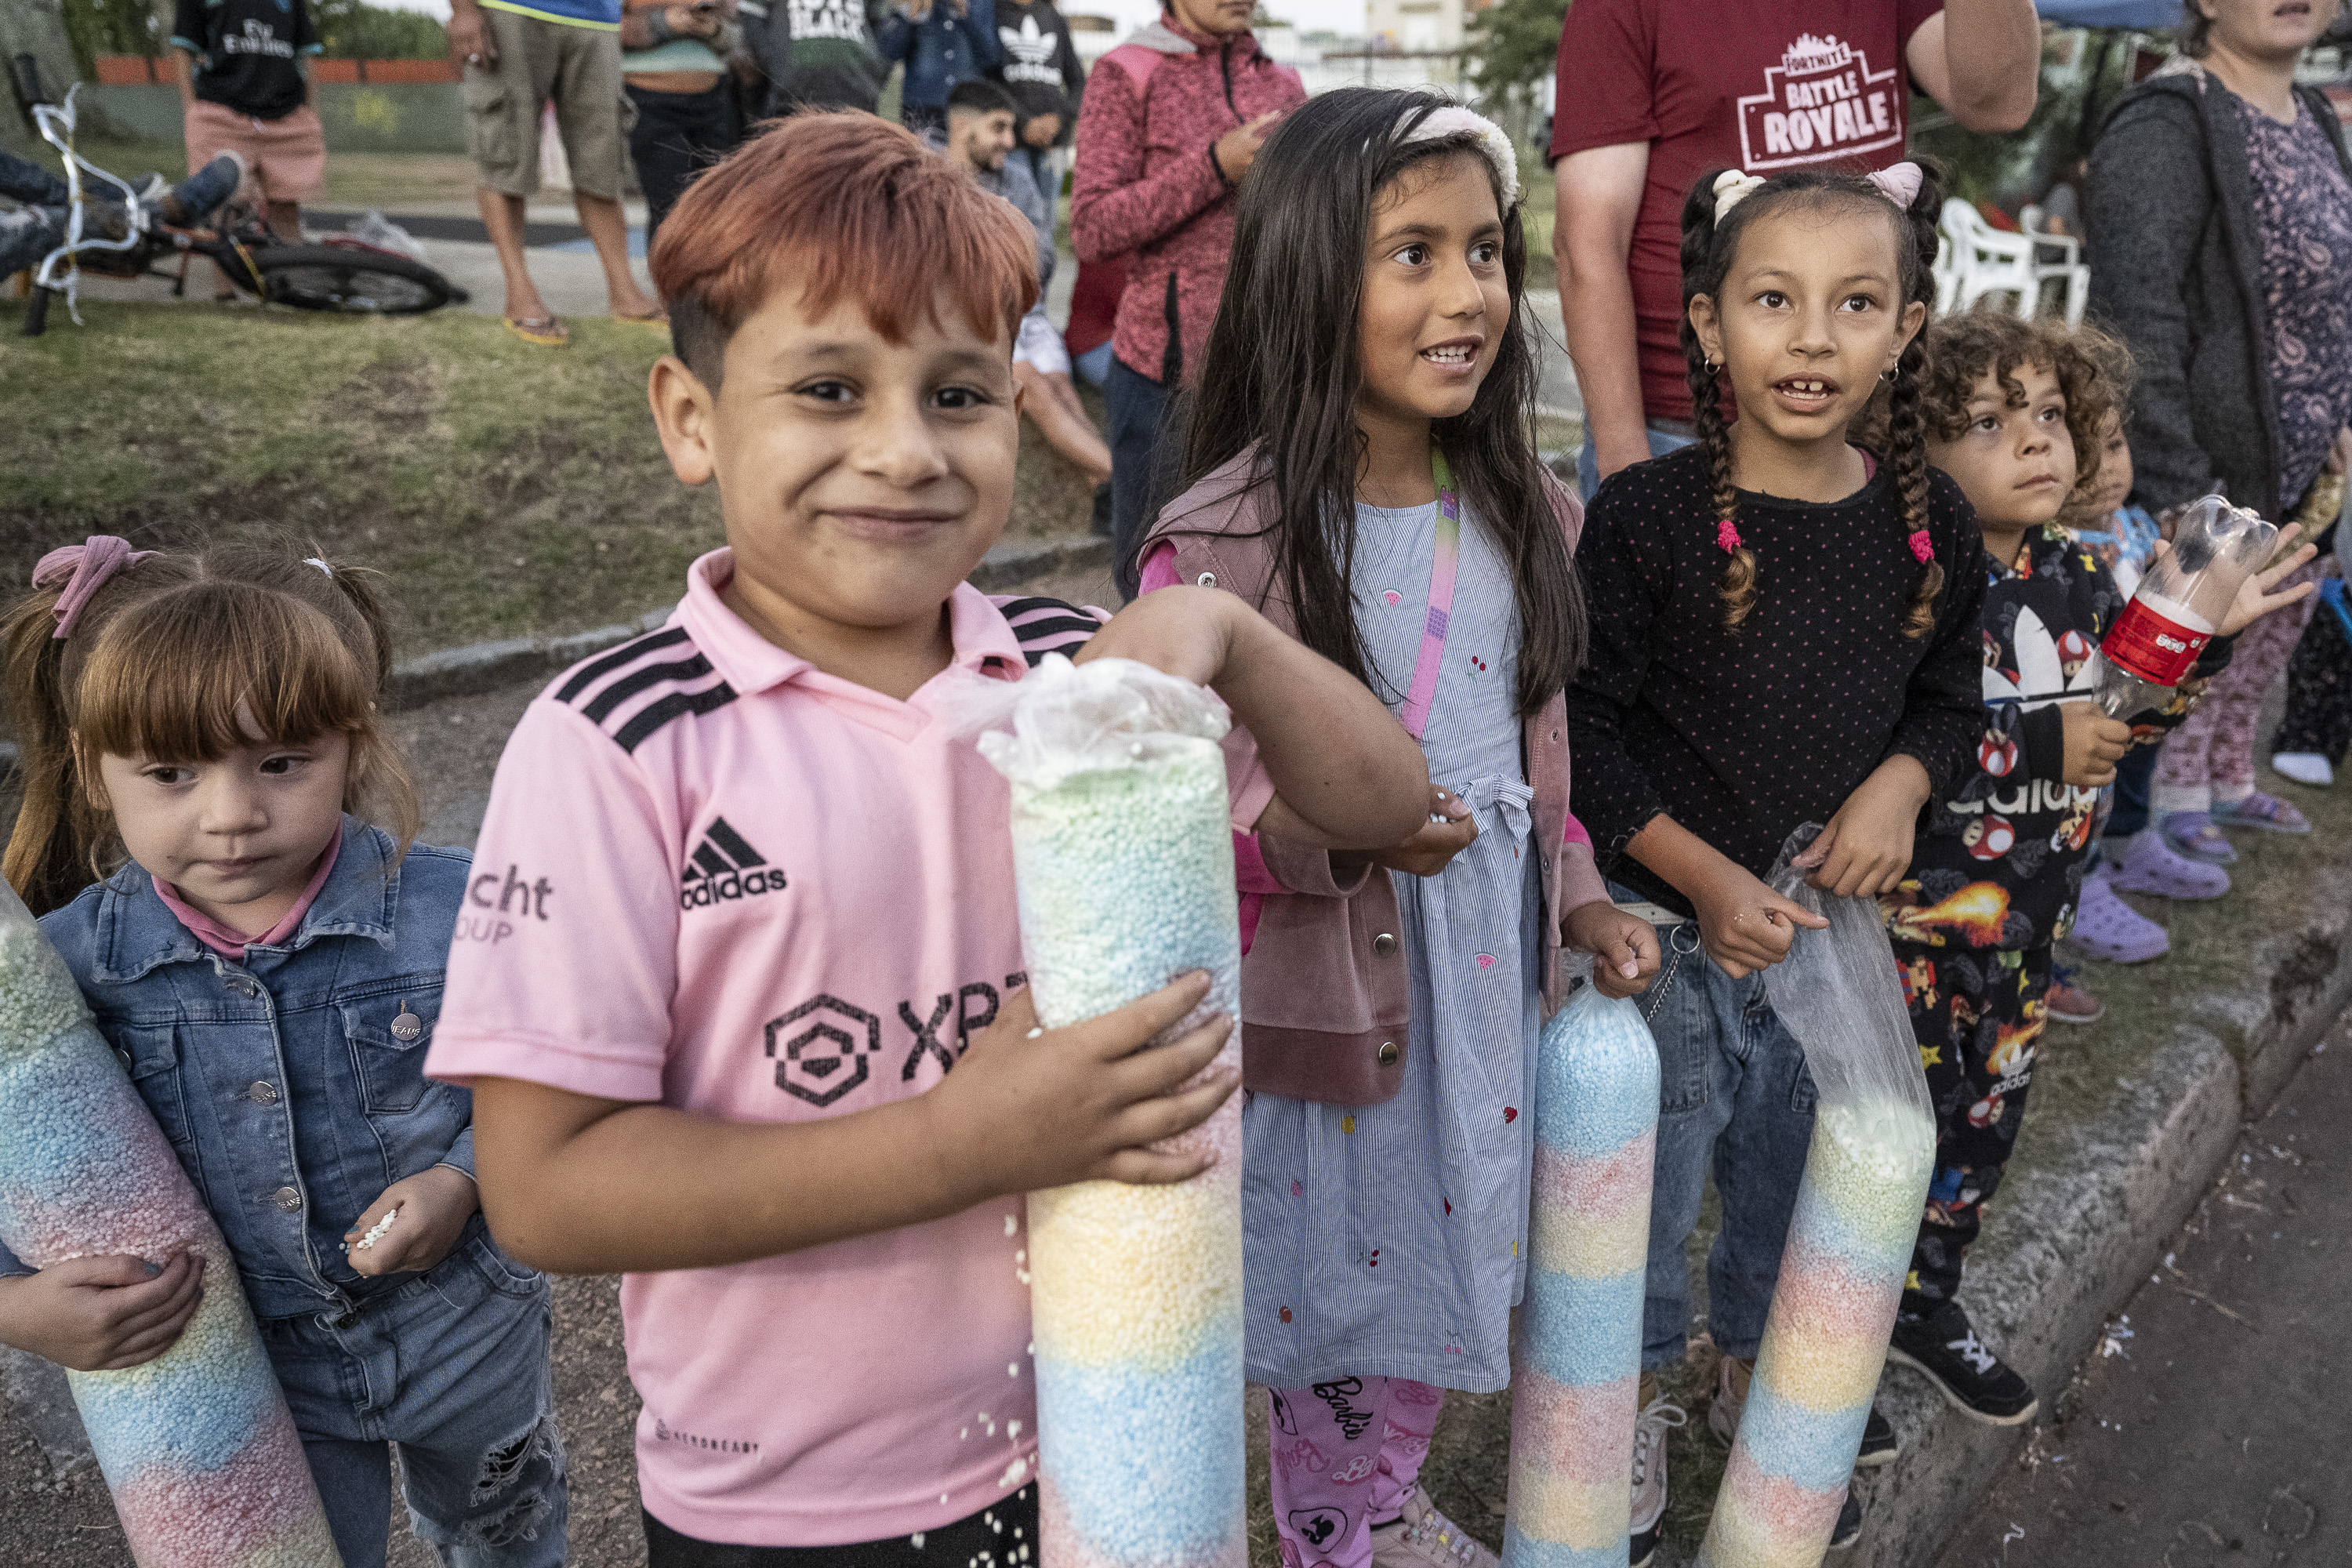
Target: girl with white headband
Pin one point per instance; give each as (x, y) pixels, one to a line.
(1363, 469)
(1784, 631)
(203, 754)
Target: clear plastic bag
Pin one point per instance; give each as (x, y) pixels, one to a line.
(1858, 1212)
(1123, 867)
(196, 1445)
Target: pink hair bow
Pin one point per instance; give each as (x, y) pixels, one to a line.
(1899, 183)
(83, 569)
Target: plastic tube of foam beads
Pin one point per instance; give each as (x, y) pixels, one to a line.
(1825, 1338)
(1574, 1389)
(1123, 864)
(196, 1445)
(1848, 1244)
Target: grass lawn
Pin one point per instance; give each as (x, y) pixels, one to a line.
(503, 489)
(353, 179)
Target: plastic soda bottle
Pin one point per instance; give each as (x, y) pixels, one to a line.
(2181, 599)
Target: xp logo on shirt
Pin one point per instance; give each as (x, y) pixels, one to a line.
(1821, 102)
(724, 868)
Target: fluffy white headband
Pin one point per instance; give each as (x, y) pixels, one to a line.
(1452, 119)
(1898, 184)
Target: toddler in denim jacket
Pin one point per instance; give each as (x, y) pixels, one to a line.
(269, 966)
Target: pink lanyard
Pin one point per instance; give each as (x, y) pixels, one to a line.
(1415, 717)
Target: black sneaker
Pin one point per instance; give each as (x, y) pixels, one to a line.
(1848, 1529)
(1645, 1546)
(1963, 1368)
(1879, 1446)
(1099, 523)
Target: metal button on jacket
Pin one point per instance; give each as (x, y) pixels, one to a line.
(263, 1093)
(1388, 1054)
(288, 1199)
(1384, 944)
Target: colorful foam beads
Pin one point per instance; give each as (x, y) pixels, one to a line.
(1842, 1272)
(1125, 879)
(196, 1445)
(1573, 1396)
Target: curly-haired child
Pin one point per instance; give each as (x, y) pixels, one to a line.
(2013, 410)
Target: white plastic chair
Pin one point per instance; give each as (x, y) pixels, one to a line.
(1986, 261)
(2058, 259)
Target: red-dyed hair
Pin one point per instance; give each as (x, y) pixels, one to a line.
(839, 204)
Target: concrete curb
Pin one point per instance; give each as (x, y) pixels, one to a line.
(2077, 1236)
(487, 665)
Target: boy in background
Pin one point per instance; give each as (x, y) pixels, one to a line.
(246, 89)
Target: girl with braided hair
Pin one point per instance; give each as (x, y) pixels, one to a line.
(1783, 630)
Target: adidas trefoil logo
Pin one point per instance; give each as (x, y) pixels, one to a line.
(725, 868)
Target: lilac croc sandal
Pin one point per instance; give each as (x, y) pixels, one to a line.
(2192, 836)
(2152, 867)
(2267, 811)
(2108, 928)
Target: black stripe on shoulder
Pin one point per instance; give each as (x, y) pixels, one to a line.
(1057, 626)
(587, 674)
(677, 705)
(1012, 608)
(601, 706)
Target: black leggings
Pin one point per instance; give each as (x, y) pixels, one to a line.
(996, 1534)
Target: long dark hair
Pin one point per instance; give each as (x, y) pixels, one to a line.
(1708, 247)
(1281, 368)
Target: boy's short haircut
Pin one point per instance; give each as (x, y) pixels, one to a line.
(1963, 349)
(839, 204)
(978, 97)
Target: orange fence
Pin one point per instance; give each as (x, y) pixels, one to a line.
(138, 70)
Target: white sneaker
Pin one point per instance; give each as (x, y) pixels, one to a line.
(1424, 1538)
(1649, 1430)
(2304, 768)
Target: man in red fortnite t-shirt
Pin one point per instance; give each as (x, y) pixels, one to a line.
(1654, 93)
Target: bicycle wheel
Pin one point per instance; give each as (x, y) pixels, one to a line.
(354, 282)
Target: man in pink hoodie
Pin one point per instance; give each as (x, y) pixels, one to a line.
(1170, 122)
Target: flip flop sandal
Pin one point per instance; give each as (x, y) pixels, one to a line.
(2193, 836)
(2266, 812)
(659, 321)
(545, 331)
(2153, 866)
(2110, 930)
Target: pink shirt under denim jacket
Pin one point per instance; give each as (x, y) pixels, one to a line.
(1325, 995)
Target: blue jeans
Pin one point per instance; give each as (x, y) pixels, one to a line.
(1587, 461)
(1143, 459)
(1093, 367)
(1733, 1090)
(452, 1366)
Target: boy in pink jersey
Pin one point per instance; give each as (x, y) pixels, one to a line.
(742, 901)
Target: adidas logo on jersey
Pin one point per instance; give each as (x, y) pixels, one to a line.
(724, 868)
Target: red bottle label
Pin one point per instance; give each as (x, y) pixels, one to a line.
(2152, 647)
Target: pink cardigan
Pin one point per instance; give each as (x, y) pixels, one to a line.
(1326, 1000)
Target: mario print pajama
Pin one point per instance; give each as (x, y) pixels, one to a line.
(1977, 1014)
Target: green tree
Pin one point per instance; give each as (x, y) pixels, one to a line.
(1512, 46)
(113, 28)
(354, 30)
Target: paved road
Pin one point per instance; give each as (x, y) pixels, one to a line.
(2218, 1430)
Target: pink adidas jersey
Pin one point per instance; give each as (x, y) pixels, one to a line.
(715, 877)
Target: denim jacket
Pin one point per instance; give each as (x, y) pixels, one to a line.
(280, 1082)
(940, 50)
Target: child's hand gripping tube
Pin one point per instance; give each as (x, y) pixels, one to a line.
(1123, 864)
(196, 1445)
(1858, 1213)
(1574, 1397)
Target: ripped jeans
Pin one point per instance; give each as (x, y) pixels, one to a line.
(453, 1367)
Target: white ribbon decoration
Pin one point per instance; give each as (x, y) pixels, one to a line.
(1731, 188)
